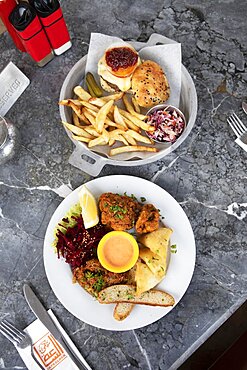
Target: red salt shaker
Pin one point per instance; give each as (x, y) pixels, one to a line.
(6, 7)
(51, 17)
(27, 25)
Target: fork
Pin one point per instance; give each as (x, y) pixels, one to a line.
(239, 129)
(18, 337)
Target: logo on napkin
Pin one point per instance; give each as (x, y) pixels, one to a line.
(13, 82)
(49, 351)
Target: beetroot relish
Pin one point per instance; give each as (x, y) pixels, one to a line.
(79, 245)
(122, 57)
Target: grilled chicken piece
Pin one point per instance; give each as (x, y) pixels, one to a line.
(148, 219)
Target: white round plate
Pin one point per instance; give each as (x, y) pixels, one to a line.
(179, 273)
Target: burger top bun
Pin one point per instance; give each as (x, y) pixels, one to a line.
(149, 84)
(117, 66)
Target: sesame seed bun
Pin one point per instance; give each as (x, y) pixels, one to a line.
(150, 85)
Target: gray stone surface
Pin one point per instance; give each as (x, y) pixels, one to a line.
(207, 175)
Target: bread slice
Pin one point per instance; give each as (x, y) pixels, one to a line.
(122, 310)
(127, 294)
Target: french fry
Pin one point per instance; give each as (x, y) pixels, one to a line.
(102, 114)
(130, 108)
(98, 141)
(81, 138)
(114, 97)
(77, 130)
(90, 117)
(76, 120)
(134, 148)
(121, 138)
(76, 108)
(137, 121)
(80, 122)
(139, 137)
(111, 142)
(70, 102)
(83, 94)
(91, 130)
(90, 106)
(99, 102)
(118, 118)
(105, 135)
(135, 105)
(108, 121)
(129, 138)
(131, 125)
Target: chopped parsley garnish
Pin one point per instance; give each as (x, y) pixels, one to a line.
(118, 215)
(143, 199)
(173, 248)
(133, 197)
(99, 284)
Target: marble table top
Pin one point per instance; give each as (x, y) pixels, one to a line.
(206, 175)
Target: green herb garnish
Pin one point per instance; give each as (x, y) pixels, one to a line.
(143, 199)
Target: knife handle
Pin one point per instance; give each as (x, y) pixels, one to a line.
(74, 357)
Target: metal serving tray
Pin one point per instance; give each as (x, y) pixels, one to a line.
(91, 162)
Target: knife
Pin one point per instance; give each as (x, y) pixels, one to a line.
(41, 313)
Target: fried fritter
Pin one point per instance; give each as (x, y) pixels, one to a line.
(118, 212)
(93, 277)
(148, 219)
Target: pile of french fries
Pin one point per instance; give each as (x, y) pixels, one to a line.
(99, 121)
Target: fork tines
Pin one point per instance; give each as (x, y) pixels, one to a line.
(237, 125)
(10, 332)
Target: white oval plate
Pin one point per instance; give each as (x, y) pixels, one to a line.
(179, 273)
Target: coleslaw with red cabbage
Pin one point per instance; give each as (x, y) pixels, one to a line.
(168, 123)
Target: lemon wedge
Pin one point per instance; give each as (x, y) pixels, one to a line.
(89, 209)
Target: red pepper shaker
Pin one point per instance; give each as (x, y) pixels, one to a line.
(6, 7)
(51, 17)
(27, 25)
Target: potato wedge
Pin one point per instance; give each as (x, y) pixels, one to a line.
(102, 114)
(127, 294)
(134, 148)
(83, 94)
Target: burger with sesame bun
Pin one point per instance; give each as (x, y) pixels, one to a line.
(149, 84)
(116, 68)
